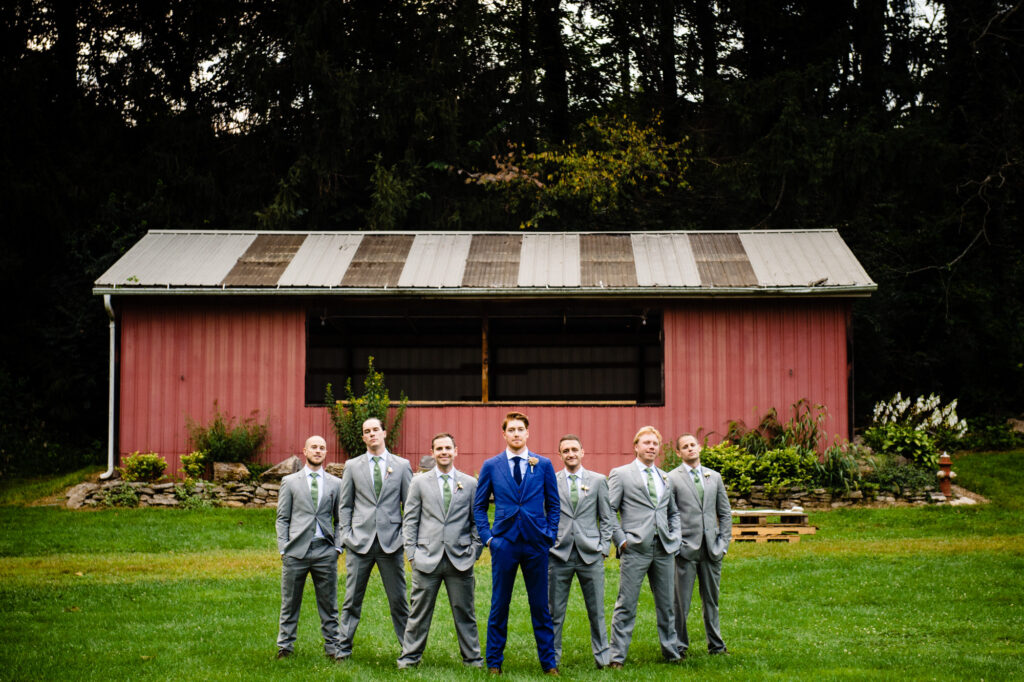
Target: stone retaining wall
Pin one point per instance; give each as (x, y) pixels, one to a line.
(227, 494)
(224, 491)
(820, 498)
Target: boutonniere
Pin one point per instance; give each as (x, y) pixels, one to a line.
(532, 462)
(458, 485)
(585, 489)
(707, 475)
(390, 471)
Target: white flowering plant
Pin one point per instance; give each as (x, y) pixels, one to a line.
(915, 429)
(925, 414)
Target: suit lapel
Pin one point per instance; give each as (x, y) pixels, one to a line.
(434, 492)
(506, 474)
(563, 490)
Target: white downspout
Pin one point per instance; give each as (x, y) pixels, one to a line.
(111, 389)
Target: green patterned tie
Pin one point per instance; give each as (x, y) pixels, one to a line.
(574, 491)
(377, 482)
(650, 486)
(447, 492)
(314, 489)
(700, 486)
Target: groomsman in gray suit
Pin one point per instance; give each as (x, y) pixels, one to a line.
(647, 539)
(307, 538)
(373, 488)
(584, 539)
(706, 533)
(442, 544)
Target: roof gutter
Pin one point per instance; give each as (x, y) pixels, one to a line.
(111, 389)
(857, 290)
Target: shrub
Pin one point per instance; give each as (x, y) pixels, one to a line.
(670, 459)
(923, 414)
(188, 497)
(802, 430)
(223, 441)
(989, 433)
(896, 477)
(782, 468)
(139, 466)
(347, 418)
(838, 469)
(122, 495)
(194, 464)
(901, 440)
(734, 463)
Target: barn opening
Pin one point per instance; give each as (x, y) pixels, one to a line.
(483, 352)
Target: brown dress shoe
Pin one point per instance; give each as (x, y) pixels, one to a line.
(551, 671)
(283, 653)
(615, 665)
(494, 671)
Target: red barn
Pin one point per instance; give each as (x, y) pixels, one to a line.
(590, 333)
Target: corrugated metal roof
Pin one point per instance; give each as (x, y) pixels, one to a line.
(729, 263)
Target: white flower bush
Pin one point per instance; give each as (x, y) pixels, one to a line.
(924, 414)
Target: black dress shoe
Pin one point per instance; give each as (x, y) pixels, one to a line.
(283, 653)
(720, 652)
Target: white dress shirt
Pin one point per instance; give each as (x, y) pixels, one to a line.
(522, 463)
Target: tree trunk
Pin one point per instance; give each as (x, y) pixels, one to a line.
(553, 58)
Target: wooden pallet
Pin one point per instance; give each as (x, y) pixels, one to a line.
(767, 538)
(770, 525)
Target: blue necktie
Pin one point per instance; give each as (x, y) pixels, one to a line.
(516, 472)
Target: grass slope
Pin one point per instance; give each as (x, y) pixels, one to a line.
(908, 593)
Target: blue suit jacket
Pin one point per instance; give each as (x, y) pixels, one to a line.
(522, 513)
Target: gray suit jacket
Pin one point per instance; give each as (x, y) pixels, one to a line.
(640, 521)
(710, 522)
(589, 527)
(364, 516)
(430, 532)
(296, 516)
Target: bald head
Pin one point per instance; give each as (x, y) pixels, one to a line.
(315, 452)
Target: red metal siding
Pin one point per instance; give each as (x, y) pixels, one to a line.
(723, 360)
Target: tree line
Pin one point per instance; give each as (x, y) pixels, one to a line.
(897, 123)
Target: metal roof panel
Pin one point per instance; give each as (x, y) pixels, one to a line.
(168, 259)
(664, 260)
(550, 260)
(436, 260)
(321, 260)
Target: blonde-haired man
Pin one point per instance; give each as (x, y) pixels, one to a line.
(647, 539)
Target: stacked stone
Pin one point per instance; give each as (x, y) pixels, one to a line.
(230, 488)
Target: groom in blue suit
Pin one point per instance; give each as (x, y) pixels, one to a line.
(526, 512)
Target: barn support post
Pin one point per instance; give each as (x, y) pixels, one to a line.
(112, 388)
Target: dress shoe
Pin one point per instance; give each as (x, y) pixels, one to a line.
(283, 653)
(338, 658)
(720, 652)
(551, 671)
(615, 665)
(494, 671)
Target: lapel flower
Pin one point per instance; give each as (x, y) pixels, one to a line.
(707, 475)
(585, 488)
(458, 485)
(390, 471)
(532, 462)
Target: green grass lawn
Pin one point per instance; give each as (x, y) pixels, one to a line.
(907, 593)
